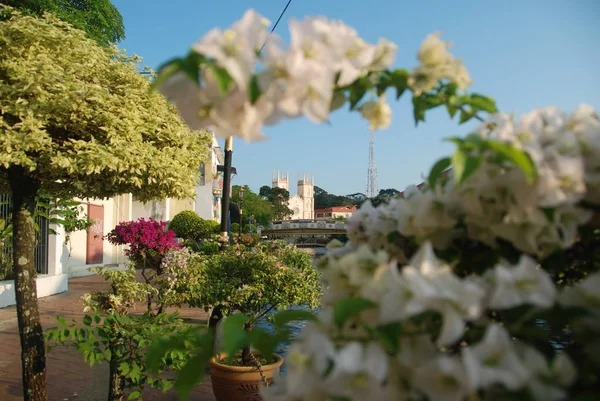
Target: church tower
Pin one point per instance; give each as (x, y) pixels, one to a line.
(306, 192)
(281, 180)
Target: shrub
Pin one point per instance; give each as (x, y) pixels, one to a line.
(258, 282)
(148, 241)
(181, 278)
(189, 226)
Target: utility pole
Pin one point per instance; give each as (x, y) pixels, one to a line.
(226, 188)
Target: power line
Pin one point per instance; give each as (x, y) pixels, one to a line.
(276, 23)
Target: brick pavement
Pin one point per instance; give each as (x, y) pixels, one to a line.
(69, 377)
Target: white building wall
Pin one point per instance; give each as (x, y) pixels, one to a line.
(69, 260)
(297, 205)
(75, 250)
(204, 201)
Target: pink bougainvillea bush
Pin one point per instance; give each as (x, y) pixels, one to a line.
(148, 240)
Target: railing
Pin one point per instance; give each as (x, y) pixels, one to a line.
(41, 240)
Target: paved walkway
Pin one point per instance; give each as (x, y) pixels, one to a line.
(69, 377)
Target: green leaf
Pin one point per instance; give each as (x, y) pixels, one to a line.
(475, 140)
(344, 309)
(61, 322)
(463, 165)
(550, 213)
(480, 102)
(517, 156)
(222, 77)
(87, 320)
(399, 80)
(190, 65)
(423, 103)
(96, 318)
(255, 91)
(134, 395)
(234, 335)
(266, 342)
(190, 376)
(108, 354)
(284, 317)
(465, 115)
(124, 368)
(358, 90)
(436, 171)
(389, 335)
(166, 71)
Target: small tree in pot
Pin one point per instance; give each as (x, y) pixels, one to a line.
(254, 282)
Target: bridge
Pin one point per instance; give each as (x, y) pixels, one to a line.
(304, 228)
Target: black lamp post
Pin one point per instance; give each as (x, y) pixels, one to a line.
(242, 190)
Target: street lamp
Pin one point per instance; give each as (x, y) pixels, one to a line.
(242, 190)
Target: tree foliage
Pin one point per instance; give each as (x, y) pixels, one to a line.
(279, 199)
(324, 199)
(188, 225)
(77, 120)
(87, 129)
(100, 19)
(253, 205)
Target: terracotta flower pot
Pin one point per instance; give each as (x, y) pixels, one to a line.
(240, 383)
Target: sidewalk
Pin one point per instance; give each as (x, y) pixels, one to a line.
(69, 377)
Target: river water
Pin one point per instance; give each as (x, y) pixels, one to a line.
(296, 328)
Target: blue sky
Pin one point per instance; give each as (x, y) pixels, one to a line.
(525, 54)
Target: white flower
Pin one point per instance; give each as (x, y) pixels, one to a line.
(586, 294)
(187, 97)
(521, 227)
(354, 357)
(586, 126)
(301, 376)
(346, 275)
(378, 113)
(494, 361)
(416, 350)
(442, 379)
(425, 216)
(350, 54)
(547, 382)
(434, 51)
(393, 291)
(235, 48)
(359, 224)
(563, 369)
(361, 264)
(437, 63)
(523, 283)
(308, 88)
(360, 372)
(318, 346)
(309, 38)
(435, 287)
(385, 53)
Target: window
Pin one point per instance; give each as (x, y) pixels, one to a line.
(202, 174)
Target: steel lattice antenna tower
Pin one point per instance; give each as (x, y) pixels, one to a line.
(372, 188)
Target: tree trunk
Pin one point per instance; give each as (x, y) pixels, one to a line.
(215, 316)
(33, 352)
(246, 358)
(116, 384)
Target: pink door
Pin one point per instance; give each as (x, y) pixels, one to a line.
(95, 244)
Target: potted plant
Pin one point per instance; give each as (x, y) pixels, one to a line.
(254, 283)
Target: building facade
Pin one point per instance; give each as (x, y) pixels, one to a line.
(60, 258)
(335, 212)
(303, 202)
